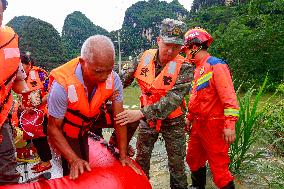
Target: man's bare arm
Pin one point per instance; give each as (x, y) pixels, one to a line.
(58, 140)
(121, 131)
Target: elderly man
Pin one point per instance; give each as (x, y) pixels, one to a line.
(78, 89)
(163, 77)
(12, 76)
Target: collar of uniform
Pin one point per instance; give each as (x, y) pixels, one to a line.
(156, 60)
(202, 61)
(79, 74)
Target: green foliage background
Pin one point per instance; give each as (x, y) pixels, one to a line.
(40, 38)
(248, 34)
(250, 37)
(77, 28)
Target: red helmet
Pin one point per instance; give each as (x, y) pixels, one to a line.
(197, 36)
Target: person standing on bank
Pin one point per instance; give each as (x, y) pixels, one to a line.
(78, 90)
(12, 77)
(213, 111)
(37, 80)
(164, 78)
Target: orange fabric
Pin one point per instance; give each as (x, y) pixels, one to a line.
(213, 106)
(206, 142)
(9, 62)
(33, 79)
(77, 99)
(34, 83)
(154, 88)
(210, 99)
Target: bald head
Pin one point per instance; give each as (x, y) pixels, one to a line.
(97, 58)
(98, 47)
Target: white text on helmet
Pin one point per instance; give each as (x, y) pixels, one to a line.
(193, 34)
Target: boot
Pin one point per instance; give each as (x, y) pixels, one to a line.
(199, 178)
(230, 185)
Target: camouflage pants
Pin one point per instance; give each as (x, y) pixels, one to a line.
(8, 164)
(174, 137)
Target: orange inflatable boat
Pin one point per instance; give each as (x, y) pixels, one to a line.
(107, 173)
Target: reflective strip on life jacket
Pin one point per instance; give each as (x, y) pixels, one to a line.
(231, 112)
(11, 53)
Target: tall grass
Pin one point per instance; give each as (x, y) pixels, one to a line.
(247, 128)
(273, 126)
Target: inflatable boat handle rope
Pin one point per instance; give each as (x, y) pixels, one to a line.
(110, 147)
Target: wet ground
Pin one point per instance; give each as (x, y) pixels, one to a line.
(264, 173)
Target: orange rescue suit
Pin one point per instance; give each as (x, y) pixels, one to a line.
(154, 88)
(213, 94)
(9, 63)
(80, 112)
(213, 106)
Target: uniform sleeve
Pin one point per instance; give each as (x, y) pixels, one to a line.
(118, 87)
(57, 101)
(226, 92)
(127, 77)
(173, 98)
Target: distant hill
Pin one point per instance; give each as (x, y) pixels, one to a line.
(248, 34)
(141, 24)
(77, 28)
(41, 39)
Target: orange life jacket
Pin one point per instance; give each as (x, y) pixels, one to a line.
(154, 88)
(80, 112)
(9, 63)
(34, 83)
(33, 79)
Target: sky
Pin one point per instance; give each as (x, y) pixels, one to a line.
(108, 14)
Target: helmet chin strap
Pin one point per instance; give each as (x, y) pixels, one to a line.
(193, 53)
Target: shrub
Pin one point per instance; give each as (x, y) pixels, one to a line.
(247, 128)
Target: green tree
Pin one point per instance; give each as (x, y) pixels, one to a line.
(77, 28)
(41, 39)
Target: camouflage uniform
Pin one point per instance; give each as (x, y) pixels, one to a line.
(172, 130)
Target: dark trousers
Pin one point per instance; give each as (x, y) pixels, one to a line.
(81, 147)
(101, 123)
(174, 137)
(8, 164)
(131, 128)
(43, 149)
(42, 146)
